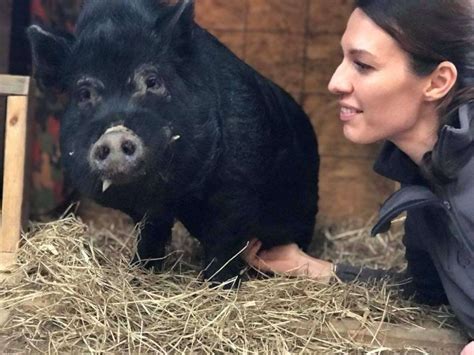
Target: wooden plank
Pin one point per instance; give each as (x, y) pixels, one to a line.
(5, 30)
(14, 85)
(385, 335)
(441, 341)
(13, 204)
(3, 112)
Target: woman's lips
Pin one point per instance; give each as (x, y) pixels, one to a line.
(347, 113)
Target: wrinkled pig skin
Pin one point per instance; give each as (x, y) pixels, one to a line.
(165, 123)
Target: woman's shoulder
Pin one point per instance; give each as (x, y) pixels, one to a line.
(461, 190)
(455, 147)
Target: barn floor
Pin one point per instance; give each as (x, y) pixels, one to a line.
(74, 291)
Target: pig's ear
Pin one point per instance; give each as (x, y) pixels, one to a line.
(175, 25)
(49, 51)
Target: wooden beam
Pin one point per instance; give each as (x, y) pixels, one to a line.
(14, 202)
(382, 334)
(14, 85)
(5, 32)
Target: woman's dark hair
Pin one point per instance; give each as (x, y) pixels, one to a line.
(433, 31)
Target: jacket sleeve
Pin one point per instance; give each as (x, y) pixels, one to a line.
(426, 283)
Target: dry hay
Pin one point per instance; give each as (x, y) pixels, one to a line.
(78, 293)
(355, 246)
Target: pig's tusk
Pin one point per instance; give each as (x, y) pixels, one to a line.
(175, 138)
(106, 184)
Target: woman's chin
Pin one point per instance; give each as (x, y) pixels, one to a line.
(358, 136)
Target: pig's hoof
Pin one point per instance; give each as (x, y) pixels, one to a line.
(231, 283)
(149, 264)
(225, 280)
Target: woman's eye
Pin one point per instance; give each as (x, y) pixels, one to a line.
(362, 66)
(151, 82)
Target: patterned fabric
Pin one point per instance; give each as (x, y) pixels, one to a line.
(48, 191)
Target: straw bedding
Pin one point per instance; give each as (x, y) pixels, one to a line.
(77, 293)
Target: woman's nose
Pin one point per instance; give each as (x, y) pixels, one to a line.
(340, 83)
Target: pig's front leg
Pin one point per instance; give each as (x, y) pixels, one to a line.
(152, 240)
(226, 228)
(222, 259)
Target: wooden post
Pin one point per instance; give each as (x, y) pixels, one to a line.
(5, 33)
(15, 184)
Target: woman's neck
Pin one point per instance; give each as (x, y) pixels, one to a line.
(421, 138)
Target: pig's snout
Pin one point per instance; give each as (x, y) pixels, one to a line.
(112, 145)
(117, 155)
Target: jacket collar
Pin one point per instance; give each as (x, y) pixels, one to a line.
(452, 146)
(453, 142)
(396, 165)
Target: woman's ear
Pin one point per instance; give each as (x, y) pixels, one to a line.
(441, 80)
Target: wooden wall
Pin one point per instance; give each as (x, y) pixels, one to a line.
(296, 44)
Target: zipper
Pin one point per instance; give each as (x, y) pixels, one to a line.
(453, 216)
(447, 205)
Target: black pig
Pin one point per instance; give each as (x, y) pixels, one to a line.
(164, 122)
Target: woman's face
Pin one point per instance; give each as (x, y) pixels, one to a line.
(380, 97)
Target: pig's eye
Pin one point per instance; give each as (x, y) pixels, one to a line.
(84, 95)
(151, 82)
(155, 85)
(87, 92)
(147, 83)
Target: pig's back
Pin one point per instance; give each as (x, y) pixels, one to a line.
(266, 124)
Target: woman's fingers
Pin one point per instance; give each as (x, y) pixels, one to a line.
(260, 264)
(251, 257)
(250, 253)
(255, 245)
(469, 349)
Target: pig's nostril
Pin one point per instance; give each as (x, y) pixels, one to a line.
(102, 152)
(128, 147)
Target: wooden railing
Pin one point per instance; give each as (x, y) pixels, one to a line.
(17, 90)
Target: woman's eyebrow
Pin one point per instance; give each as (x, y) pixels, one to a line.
(354, 51)
(364, 55)
(360, 52)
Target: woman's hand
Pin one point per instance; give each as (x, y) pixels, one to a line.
(286, 259)
(468, 349)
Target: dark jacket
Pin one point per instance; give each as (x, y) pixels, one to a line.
(439, 229)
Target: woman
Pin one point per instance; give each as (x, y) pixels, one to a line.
(407, 77)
